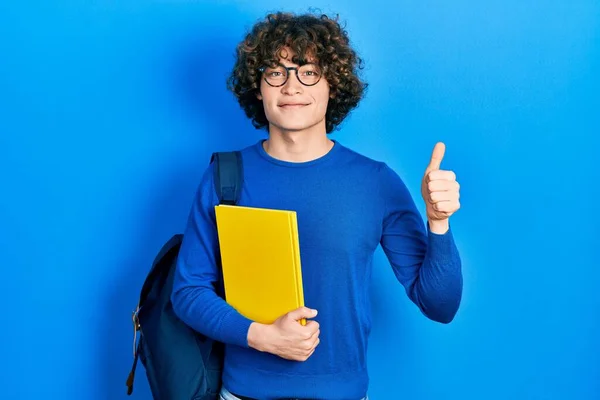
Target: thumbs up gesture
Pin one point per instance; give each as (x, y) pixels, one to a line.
(439, 188)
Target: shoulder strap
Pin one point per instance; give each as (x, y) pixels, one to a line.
(228, 176)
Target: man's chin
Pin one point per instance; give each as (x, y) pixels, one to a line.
(294, 127)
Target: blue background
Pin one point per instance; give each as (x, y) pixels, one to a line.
(109, 112)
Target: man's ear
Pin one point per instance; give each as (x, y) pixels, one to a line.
(258, 96)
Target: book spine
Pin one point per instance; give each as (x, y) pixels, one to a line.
(297, 263)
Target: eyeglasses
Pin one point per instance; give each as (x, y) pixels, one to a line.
(308, 74)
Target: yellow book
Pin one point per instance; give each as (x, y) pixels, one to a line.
(260, 257)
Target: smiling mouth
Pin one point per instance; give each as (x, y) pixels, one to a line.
(293, 105)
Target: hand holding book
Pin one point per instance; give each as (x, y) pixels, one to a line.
(286, 337)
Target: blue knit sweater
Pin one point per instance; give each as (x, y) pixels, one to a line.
(347, 205)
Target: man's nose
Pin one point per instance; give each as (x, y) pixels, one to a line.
(293, 85)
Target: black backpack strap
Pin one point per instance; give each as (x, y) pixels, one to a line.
(131, 375)
(228, 176)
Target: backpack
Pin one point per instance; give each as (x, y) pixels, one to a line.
(180, 363)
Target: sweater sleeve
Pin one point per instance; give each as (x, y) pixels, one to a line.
(427, 264)
(194, 298)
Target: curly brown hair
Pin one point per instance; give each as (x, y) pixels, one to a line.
(318, 37)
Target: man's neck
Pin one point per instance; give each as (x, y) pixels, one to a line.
(297, 146)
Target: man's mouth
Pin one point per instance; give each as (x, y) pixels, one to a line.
(293, 105)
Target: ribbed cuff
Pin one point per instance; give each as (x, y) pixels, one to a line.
(442, 246)
(234, 329)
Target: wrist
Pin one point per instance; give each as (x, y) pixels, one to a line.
(439, 226)
(256, 336)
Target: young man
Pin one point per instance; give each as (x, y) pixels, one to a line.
(296, 76)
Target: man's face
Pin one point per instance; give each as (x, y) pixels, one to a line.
(294, 106)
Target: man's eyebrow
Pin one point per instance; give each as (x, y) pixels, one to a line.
(301, 61)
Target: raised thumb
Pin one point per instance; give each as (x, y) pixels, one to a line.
(436, 156)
